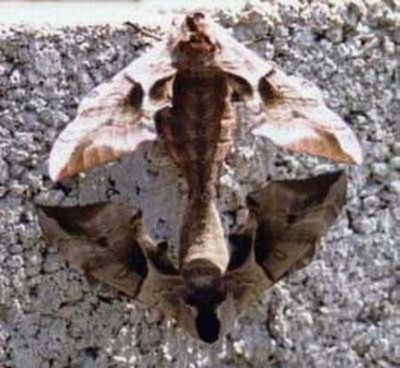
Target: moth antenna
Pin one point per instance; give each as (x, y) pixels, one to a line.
(143, 31)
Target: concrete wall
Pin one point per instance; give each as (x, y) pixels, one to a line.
(339, 312)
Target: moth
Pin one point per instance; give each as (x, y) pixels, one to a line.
(182, 93)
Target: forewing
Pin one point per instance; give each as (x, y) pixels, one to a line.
(237, 60)
(292, 215)
(115, 117)
(106, 241)
(294, 114)
(297, 118)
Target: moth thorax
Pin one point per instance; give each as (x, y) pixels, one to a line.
(194, 61)
(196, 53)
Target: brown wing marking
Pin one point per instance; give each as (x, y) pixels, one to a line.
(107, 241)
(115, 117)
(298, 119)
(292, 215)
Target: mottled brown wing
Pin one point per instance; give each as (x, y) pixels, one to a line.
(292, 215)
(107, 241)
(297, 118)
(115, 117)
(287, 218)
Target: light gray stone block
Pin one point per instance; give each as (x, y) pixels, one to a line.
(342, 311)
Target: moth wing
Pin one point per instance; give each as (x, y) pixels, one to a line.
(245, 279)
(165, 291)
(291, 216)
(115, 117)
(237, 60)
(297, 118)
(106, 241)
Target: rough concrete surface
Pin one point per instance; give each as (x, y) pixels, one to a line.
(342, 311)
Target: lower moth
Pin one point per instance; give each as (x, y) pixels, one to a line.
(182, 93)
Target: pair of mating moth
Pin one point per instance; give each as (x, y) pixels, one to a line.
(183, 92)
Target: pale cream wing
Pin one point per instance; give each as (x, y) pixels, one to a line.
(239, 61)
(294, 114)
(115, 117)
(297, 118)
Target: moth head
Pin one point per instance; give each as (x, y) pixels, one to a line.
(194, 42)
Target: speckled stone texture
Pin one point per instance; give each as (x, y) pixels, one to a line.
(342, 311)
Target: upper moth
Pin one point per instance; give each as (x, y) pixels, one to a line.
(182, 93)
